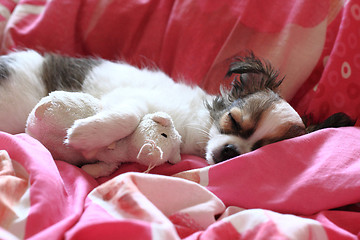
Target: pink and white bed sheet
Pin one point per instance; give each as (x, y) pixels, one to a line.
(302, 188)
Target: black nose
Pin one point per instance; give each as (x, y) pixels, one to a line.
(229, 151)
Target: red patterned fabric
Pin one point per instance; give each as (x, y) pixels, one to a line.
(315, 44)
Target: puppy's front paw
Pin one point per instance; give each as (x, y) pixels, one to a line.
(83, 136)
(96, 132)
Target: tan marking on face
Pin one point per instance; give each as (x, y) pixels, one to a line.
(226, 124)
(237, 114)
(242, 118)
(237, 122)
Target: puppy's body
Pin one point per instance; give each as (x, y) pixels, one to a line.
(127, 92)
(224, 126)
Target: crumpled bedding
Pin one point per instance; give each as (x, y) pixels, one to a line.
(301, 188)
(276, 192)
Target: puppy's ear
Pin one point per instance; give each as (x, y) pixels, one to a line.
(249, 64)
(252, 75)
(336, 120)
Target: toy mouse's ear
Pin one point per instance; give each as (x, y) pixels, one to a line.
(40, 110)
(162, 119)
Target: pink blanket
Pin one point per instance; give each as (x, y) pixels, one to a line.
(302, 188)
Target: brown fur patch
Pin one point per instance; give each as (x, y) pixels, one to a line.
(4, 67)
(65, 73)
(226, 124)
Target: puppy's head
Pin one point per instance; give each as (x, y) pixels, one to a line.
(251, 114)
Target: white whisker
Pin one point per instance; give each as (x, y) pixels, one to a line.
(201, 129)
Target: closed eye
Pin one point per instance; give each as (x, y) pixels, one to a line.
(234, 122)
(164, 135)
(239, 130)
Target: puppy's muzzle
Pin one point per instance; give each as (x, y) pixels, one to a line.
(228, 151)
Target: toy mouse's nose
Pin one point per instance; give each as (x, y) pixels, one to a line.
(150, 154)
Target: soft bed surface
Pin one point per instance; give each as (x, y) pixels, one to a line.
(302, 188)
(276, 192)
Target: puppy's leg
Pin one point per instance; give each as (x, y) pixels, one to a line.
(90, 134)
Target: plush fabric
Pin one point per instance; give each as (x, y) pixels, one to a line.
(301, 188)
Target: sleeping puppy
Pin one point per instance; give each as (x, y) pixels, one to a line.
(249, 115)
(252, 114)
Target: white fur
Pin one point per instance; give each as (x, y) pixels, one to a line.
(137, 92)
(21, 92)
(128, 93)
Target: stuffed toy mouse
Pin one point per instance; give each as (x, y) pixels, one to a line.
(154, 141)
